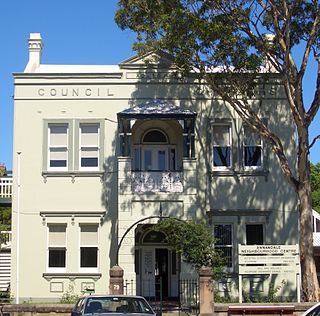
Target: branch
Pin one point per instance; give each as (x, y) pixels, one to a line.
(316, 100)
(252, 119)
(310, 41)
(314, 141)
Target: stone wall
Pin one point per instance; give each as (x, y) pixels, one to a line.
(65, 309)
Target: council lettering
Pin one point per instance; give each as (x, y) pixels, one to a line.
(75, 92)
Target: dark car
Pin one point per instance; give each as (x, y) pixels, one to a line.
(109, 305)
(313, 311)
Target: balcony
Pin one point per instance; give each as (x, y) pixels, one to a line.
(5, 189)
(157, 181)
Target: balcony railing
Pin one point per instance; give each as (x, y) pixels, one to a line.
(5, 238)
(6, 187)
(157, 181)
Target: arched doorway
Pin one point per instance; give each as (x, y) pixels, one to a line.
(156, 264)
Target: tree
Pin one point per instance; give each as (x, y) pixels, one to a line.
(315, 186)
(194, 242)
(239, 37)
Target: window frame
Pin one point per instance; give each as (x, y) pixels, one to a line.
(46, 145)
(77, 147)
(88, 269)
(244, 146)
(228, 268)
(73, 155)
(230, 145)
(91, 146)
(139, 150)
(56, 247)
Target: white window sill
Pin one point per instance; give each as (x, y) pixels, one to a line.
(252, 172)
(72, 276)
(72, 174)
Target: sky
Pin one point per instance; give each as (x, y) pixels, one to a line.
(73, 32)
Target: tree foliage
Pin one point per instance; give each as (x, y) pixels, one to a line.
(194, 242)
(315, 186)
(243, 39)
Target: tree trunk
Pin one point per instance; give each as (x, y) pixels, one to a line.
(310, 285)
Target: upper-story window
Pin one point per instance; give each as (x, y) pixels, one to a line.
(155, 153)
(73, 145)
(58, 146)
(89, 146)
(221, 135)
(252, 149)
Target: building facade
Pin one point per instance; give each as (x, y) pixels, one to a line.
(101, 152)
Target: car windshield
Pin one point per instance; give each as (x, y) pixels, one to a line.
(117, 305)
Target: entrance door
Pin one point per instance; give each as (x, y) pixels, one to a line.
(159, 271)
(148, 272)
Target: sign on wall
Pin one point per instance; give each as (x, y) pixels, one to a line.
(269, 259)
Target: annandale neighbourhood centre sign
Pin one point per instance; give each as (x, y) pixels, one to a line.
(268, 259)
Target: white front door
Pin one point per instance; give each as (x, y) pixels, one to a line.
(159, 273)
(148, 272)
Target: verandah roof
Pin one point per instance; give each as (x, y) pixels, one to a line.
(157, 109)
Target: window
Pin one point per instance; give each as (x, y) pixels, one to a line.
(252, 149)
(73, 145)
(254, 234)
(57, 246)
(155, 136)
(58, 147)
(88, 246)
(223, 241)
(221, 146)
(154, 153)
(89, 146)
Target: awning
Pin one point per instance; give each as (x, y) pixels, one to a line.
(157, 109)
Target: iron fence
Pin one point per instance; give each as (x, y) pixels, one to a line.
(187, 300)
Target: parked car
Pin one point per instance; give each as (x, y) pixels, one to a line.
(110, 305)
(313, 311)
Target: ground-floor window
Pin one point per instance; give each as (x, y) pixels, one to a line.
(56, 246)
(223, 241)
(88, 246)
(254, 234)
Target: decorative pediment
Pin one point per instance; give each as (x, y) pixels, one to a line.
(149, 60)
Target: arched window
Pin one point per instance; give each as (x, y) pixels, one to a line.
(154, 237)
(155, 136)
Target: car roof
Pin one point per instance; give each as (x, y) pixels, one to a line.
(111, 296)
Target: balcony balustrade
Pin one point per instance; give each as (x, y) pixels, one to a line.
(157, 181)
(5, 187)
(5, 238)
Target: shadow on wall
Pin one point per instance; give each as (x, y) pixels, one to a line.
(234, 191)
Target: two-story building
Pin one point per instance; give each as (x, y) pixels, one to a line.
(101, 151)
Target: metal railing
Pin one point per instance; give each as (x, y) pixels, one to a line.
(157, 181)
(5, 187)
(187, 300)
(5, 238)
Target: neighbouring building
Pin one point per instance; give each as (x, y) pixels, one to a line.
(101, 151)
(5, 230)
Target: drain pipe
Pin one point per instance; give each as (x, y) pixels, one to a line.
(18, 228)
